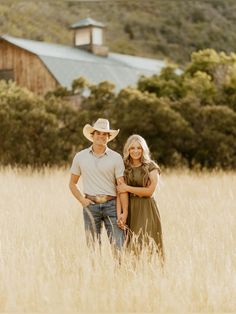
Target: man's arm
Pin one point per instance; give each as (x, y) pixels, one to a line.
(76, 192)
(124, 202)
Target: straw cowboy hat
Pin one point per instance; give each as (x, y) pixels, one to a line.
(101, 125)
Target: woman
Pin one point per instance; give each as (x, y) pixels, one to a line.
(141, 176)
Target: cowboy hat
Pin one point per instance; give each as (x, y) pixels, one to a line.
(101, 125)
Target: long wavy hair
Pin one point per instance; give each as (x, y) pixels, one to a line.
(145, 159)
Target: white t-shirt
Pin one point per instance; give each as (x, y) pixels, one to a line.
(99, 174)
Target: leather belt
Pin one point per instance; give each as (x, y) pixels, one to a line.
(100, 199)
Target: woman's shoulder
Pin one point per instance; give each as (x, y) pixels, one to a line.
(153, 165)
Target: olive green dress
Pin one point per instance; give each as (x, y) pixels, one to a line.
(143, 216)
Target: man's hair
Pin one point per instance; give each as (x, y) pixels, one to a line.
(92, 133)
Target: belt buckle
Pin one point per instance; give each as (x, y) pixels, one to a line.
(101, 198)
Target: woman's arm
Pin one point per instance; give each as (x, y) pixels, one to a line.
(120, 219)
(118, 206)
(121, 205)
(141, 191)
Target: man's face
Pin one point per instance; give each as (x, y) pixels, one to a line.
(100, 138)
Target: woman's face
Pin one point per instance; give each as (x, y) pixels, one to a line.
(135, 151)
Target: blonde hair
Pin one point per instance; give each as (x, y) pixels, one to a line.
(145, 159)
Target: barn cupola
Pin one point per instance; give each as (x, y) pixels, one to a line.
(89, 35)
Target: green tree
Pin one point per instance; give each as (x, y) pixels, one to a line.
(212, 144)
(220, 70)
(200, 85)
(228, 96)
(33, 132)
(100, 101)
(217, 146)
(164, 129)
(167, 84)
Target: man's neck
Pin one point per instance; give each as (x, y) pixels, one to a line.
(99, 149)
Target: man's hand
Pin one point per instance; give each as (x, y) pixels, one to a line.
(86, 202)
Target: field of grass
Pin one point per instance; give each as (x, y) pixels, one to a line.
(45, 265)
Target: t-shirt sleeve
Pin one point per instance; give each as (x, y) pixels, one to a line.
(119, 167)
(75, 167)
(153, 166)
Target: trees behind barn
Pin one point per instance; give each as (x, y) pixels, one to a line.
(188, 119)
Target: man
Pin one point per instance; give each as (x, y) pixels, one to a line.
(101, 168)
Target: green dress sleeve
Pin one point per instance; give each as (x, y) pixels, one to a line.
(153, 166)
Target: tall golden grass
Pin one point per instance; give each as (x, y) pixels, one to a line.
(45, 265)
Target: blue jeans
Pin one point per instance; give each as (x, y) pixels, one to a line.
(97, 214)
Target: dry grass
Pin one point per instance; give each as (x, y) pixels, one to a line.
(45, 265)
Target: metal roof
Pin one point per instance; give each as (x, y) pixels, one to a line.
(87, 22)
(66, 71)
(149, 64)
(68, 63)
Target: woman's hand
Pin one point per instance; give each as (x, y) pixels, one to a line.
(122, 188)
(121, 221)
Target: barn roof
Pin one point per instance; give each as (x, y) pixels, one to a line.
(68, 63)
(87, 22)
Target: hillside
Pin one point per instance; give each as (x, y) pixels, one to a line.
(155, 28)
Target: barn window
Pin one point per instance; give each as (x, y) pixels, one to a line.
(7, 74)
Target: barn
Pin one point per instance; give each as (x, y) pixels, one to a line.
(41, 66)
